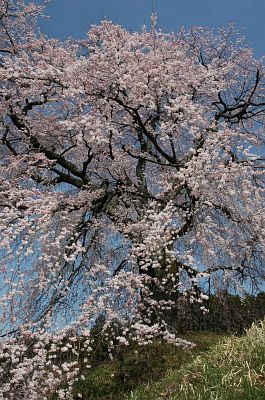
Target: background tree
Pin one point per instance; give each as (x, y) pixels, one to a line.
(131, 171)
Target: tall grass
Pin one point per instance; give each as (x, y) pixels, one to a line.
(234, 369)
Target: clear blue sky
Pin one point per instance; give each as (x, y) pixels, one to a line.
(73, 17)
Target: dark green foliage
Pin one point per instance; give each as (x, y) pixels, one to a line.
(227, 313)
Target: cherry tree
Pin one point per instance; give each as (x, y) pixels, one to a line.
(131, 173)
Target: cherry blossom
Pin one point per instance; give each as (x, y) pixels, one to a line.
(131, 173)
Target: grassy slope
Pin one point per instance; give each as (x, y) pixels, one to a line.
(234, 369)
(140, 367)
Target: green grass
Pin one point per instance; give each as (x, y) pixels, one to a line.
(135, 367)
(234, 369)
(218, 368)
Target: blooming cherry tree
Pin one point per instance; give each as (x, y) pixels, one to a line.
(131, 171)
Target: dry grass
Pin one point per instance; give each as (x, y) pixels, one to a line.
(234, 369)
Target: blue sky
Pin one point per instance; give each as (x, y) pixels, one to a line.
(73, 17)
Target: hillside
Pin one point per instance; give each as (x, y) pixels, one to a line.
(220, 367)
(234, 369)
(137, 367)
